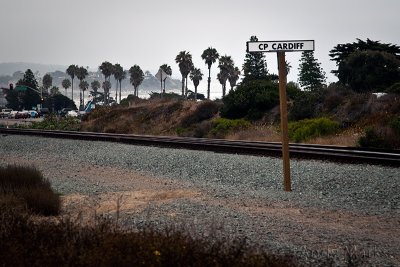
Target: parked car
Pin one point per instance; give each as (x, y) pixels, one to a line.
(22, 114)
(72, 113)
(44, 112)
(33, 114)
(12, 114)
(5, 112)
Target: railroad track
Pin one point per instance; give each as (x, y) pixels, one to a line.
(306, 151)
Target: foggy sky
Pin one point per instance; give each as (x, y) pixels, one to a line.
(151, 33)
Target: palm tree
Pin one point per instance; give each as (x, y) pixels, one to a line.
(225, 65)
(106, 87)
(167, 69)
(233, 76)
(210, 55)
(83, 85)
(71, 71)
(222, 77)
(196, 76)
(120, 78)
(184, 60)
(95, 85)
(81, 74)
(47, 82)
(66, 83)
(106, 69)
(118, 73)
(137, 77)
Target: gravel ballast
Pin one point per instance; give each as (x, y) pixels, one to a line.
(335, 210)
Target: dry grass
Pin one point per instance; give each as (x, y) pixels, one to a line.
(29, 241)
(349, 137)
(257, 133)
(337, 140)
(153, 117)
(28, 186)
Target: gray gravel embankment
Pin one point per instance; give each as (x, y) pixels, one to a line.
(333, 207)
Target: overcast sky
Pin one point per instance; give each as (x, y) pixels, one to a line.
(150, 33)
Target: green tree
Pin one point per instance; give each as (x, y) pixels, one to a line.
(106, 69)
(119, 75)
(47, 82)
(95, 85)
(250, 100)
(66, 83)
(311, 75)
(366, 71)
(233, 76)
(255, 65)
(26, 98)
(71, 71)
(137, 77)
(81, 73)
(29, 80)
(58, 102)
(19, 100)
(225, 66)
(54, 90)
(210, 56)
(167, 69)
(83, 85)
(367, 65)
(184, 60)
(196, 76)
(106, 88)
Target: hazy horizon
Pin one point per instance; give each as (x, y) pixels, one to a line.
(150, 34)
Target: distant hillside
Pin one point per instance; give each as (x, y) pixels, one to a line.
(12, 72)
(10, 68)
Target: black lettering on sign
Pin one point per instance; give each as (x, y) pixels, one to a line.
(263, 46)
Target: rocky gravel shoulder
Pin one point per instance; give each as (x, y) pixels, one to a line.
(335, 210)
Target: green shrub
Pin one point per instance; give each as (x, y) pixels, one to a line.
(52, 122)
(372, 139)
(395, 124)
(28, 184)
(310, 128)
(305, 105)
(180, 131)
(171, 95)
(129, 98)
(383, 135)
(222, 126)
(250, 100)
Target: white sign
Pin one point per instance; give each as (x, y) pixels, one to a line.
(276, 46)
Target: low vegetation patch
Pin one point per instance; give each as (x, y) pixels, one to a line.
(27, 186)
(303, 130)
(26, 243)
(221, 126)
(52, 122)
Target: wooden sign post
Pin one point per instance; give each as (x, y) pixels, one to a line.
(281, 47)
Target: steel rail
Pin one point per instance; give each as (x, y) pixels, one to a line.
(307, 151)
